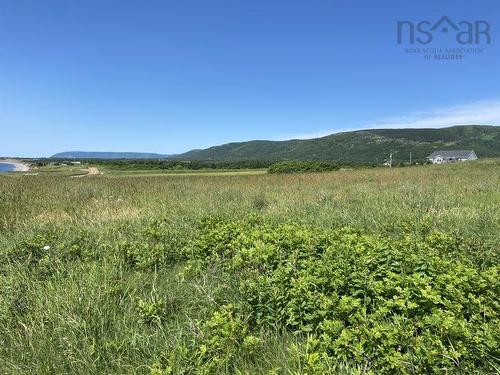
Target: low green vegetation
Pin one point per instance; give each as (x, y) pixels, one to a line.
(369, 271)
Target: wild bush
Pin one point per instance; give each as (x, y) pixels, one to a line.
(298, 166)
(152, 311)
(222, 338)
(413, 305)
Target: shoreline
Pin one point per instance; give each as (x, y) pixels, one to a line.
(19, 166)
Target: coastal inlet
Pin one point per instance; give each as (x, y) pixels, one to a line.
(13, 165)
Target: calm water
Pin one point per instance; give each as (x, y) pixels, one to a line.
(5, 167)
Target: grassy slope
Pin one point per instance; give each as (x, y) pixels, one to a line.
(83, 315)
(365, 146)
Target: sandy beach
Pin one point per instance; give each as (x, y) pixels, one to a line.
(19, 165)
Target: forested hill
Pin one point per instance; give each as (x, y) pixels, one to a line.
(363, 146)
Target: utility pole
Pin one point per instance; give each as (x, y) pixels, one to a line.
(390, 160)
(410, 157)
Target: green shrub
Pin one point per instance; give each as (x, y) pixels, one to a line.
(153, 311)
(222, 338)
(298, 166)
(409, 306)
(157, 244)
(220, 341)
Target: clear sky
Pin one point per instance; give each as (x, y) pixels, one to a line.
(169, 76)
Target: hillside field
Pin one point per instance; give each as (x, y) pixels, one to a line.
(367, 271)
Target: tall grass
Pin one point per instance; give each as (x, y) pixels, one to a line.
(114, 294)
(459, 197)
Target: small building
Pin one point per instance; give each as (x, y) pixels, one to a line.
(451, 156)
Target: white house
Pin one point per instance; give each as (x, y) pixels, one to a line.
(451, 156)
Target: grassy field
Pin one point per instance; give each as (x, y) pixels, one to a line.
(109, 172)
(363, 271)
(113, 171)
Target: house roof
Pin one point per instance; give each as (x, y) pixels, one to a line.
(442, 20)
(456, 154)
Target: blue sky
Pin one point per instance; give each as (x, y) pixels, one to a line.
(169, 76)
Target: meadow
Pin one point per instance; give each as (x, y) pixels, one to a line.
(368, 271)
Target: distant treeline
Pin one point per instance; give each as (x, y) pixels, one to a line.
(167, 164)
(273, 166)
(187, 165)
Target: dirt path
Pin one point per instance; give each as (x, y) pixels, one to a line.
(93, 170)
(90, 171)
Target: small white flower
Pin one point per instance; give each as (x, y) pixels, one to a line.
(46, 247)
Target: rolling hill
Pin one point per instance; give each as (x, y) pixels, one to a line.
(107, 155)
(362, 146)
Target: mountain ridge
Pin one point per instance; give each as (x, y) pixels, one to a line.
(359, 146)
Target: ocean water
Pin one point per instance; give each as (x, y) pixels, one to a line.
(6, 167)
